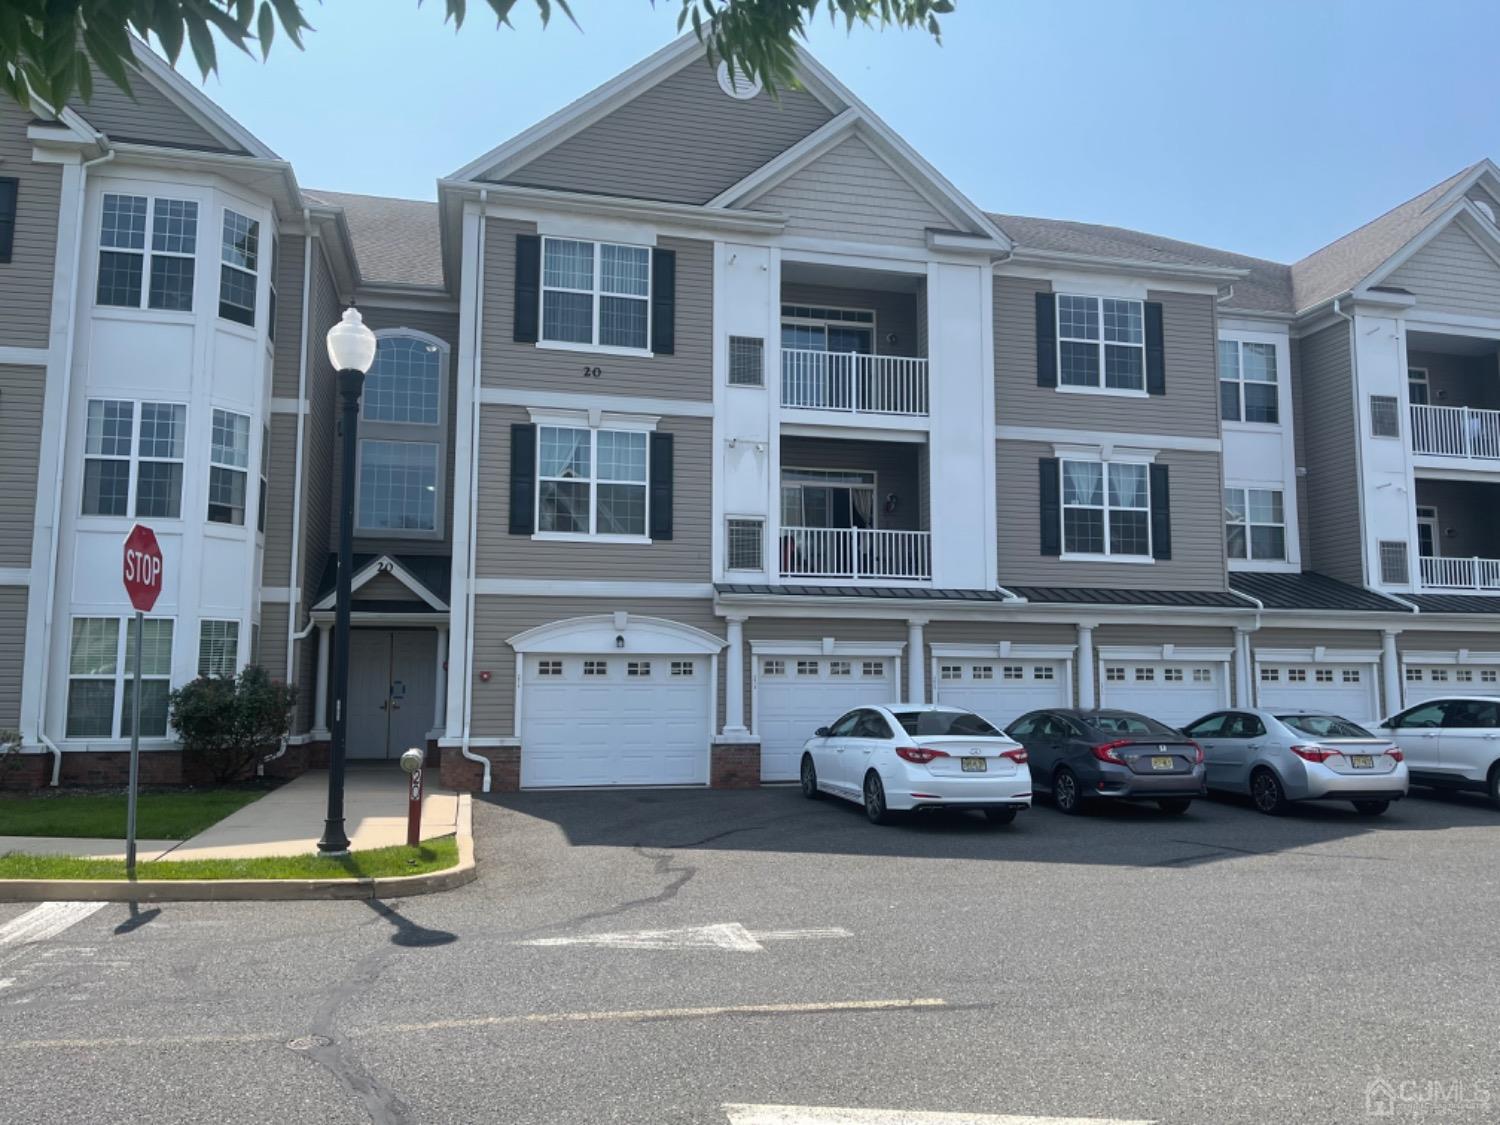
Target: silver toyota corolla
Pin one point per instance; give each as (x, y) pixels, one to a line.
(1279, 756)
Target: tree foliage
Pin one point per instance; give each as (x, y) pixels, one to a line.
(47, 46)
(228, 721)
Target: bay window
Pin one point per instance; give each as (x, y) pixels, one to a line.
(137, 272)
(591, 482)
(1106, 508)
(101, 671)
(596, 293)
(140, 444)
(229, 464)
(239, 255)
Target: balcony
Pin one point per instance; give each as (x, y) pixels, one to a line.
(853, 383)
(856, 554)
(1456, 431)
(1460, 574)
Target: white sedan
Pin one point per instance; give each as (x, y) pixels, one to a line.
(903, 756)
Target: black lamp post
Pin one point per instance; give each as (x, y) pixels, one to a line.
(351, 348)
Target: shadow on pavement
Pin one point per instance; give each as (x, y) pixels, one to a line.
(408, 933)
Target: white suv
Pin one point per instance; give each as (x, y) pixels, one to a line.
(1453, 742)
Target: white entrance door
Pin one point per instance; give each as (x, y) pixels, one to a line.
(1002, 689)
(615, 720)
(795, 695)
(1174, 692)
(1432, 681)
(1347, 690)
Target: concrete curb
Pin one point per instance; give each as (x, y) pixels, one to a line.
(255, 890)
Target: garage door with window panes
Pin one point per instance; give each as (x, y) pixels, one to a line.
(1002, 689)
(1347, 690)
(1172, 692)
(614, 720)
(795, 695)
(1431, 681)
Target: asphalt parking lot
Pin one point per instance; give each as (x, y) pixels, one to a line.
(665, 956)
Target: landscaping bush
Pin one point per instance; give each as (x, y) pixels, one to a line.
(226, 722)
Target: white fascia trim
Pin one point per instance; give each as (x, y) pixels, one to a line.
(1317, 654)
(1462, 656)
(594, 418)
(434, 620)
(279, 595)
(479, 743)
(787, 163)
(1003, 650)
(1129, 267)
(828, 646)
(1475, 227)
(582, 588)
(15, 576)
(1107, 438)
(1453, 324)
(386, 564)
(25, 357)
(1121, 454)
(567, 400)
(290, 406)
(838, 424)
(599, 633)
(1164, 652)
(192, 102)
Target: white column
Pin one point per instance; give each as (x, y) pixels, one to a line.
(734, 678)
(320, 698)
(916, 662)
(1242, 679)
(440, 694)
(1390, 671)
(1087, 693)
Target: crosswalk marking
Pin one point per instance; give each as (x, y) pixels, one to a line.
(730, 936)
(40, 923)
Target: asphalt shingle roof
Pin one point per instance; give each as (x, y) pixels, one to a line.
(395, 240)
(1310, 590)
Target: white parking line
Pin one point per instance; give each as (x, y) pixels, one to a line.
(729, 936)
(832, 1115)
(40, 923)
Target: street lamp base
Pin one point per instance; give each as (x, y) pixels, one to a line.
(334, 841)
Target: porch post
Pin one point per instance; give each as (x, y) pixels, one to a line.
(1390, 671)
(440, 696)
(320, 697)
(734, 677)
(916, 661)
(1088, 697)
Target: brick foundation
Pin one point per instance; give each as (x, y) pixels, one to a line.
(458, 772)
(734, 765)
(25, 771)
(111, 768)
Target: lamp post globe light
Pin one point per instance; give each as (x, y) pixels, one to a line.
(351, 349)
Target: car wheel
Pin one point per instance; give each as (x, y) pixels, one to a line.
(1371, 808)
(1176, 806)
(1495, 783)
(1267, 793)
(1065, 792)
(875, 800)
(809, 778)
(999, 817)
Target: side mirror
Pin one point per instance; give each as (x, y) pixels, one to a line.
(821, 732)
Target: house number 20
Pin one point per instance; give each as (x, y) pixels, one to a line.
(593, 372)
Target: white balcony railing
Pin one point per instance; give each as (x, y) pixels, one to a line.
(1455, 431)
(1460, 574)
(855, 552)
(853, 383)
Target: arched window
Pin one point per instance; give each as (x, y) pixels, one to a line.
(405, 382)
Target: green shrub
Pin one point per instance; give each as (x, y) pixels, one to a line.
(226, 722)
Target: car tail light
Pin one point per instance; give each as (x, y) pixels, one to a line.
(1394, 753)
(1019, 755)
(1314, 753)
(919, 754)
(1107, 751)
(1197, 753)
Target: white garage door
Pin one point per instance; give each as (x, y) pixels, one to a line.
(1174, 692)
(1348, 690)
(795, 695)
(1002, 689)
(1429, 681)
(615, 720)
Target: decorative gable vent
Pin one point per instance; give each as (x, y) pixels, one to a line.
(737, 85)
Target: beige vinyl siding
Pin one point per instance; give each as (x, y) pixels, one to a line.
(13, 629)
(386, 588)
(685, 557)
(321, 444)
(895, 313)
(1333, 505)
(21, 393)
(684, 141)
(496, 619)
(1190, 408)
(144, 115)
(897, 467)
(1452, 273)
(1195, 482)
(280, 486)
(852, 193)
(687, 374)
(272, 654)
(1299, 443)
(287, 355)
(1449, 640)
(1311, 638)
(26, 280)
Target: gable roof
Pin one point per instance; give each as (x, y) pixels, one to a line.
(395, 240)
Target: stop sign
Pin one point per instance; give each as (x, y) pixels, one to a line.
(142, 568)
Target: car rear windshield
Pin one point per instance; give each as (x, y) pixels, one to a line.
(936, 724)
(1325, 726)
(1120, 722)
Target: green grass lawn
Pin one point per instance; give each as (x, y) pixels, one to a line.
(174, 815)
(432, 855)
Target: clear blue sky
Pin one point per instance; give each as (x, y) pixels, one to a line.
(1269, 127)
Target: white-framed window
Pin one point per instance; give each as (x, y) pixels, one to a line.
(1145, 675)
(271, 289)
(682, 667)
(983, 671)
(1385, 416)
(747, 361)
(1255, 523)
(1395, 570)
(1106, 508)
(1270, 675)
(1114, 675)
(549, 668)
(744, 544)
(1101, 343)
(840, 668)
(147, 249)
(872, 668)
(1248, 382)
(403, 439)
(229, 464)
(951, 672)
(591, 482)
(596, 293)
(218, 648)
(101, 671)
(398, 483)
(638, 668)
(1418, 387)
(1044, 672)
(405, 383)
(239, 257)
(595, 668)
(133, 459)
(1323, 675)
(807, 667)
(1015, 672)
(773, 667)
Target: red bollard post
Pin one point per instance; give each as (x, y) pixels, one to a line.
(411, 762)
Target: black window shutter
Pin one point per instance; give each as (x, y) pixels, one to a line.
(528, 288)
(522, 478)
(1051, 506)
(663, 301)
(1156, 353)
(1161, 514)
(9, 191)
(1046, 340)
(661, 486)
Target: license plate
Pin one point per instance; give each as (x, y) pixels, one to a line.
(1163, 763)
(1362, 761)
(973, 765)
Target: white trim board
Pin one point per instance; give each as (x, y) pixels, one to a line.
(584, 588)
(1461, 656)
(601, 632)
(384, 564)
(1108, 438)
(15, 576)
(1184, 653)
(828, 646)
(1315, 655)
(566, 400)
(1005, 650)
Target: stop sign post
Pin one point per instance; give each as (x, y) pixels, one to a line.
(142, 575)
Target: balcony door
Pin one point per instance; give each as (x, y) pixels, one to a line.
(818, 347)
(1427, 532)
(822, 512)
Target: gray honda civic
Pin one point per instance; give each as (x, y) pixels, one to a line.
(1082, 757)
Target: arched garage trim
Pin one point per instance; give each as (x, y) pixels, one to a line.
(601, 633)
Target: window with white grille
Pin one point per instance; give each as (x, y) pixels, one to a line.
(1145, 675)
(1114, 675)
(595, 668)
(1270, 675)
(1043, 672)
(747, 361)
(1203, 675)
(743, 544)
(549, 668)
(951, 672)
(840, 668)
(984, 671)
(773, 668)
(638, 668)
(873, 668)
(682, 667)
(1394, 569)
(1385, 416)
(807, 667)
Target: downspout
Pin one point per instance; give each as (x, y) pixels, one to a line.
(1339, 312)
(260, 769)
(62, 450)
(468, 669)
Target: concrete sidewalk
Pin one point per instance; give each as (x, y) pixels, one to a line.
(85, 847)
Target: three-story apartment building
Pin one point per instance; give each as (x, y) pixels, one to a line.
(698, 417)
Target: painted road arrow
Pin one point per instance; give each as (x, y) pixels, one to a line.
(730, 936)
(831, 1115)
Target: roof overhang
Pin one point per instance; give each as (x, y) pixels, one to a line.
(385, 564)
(1090, 263)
